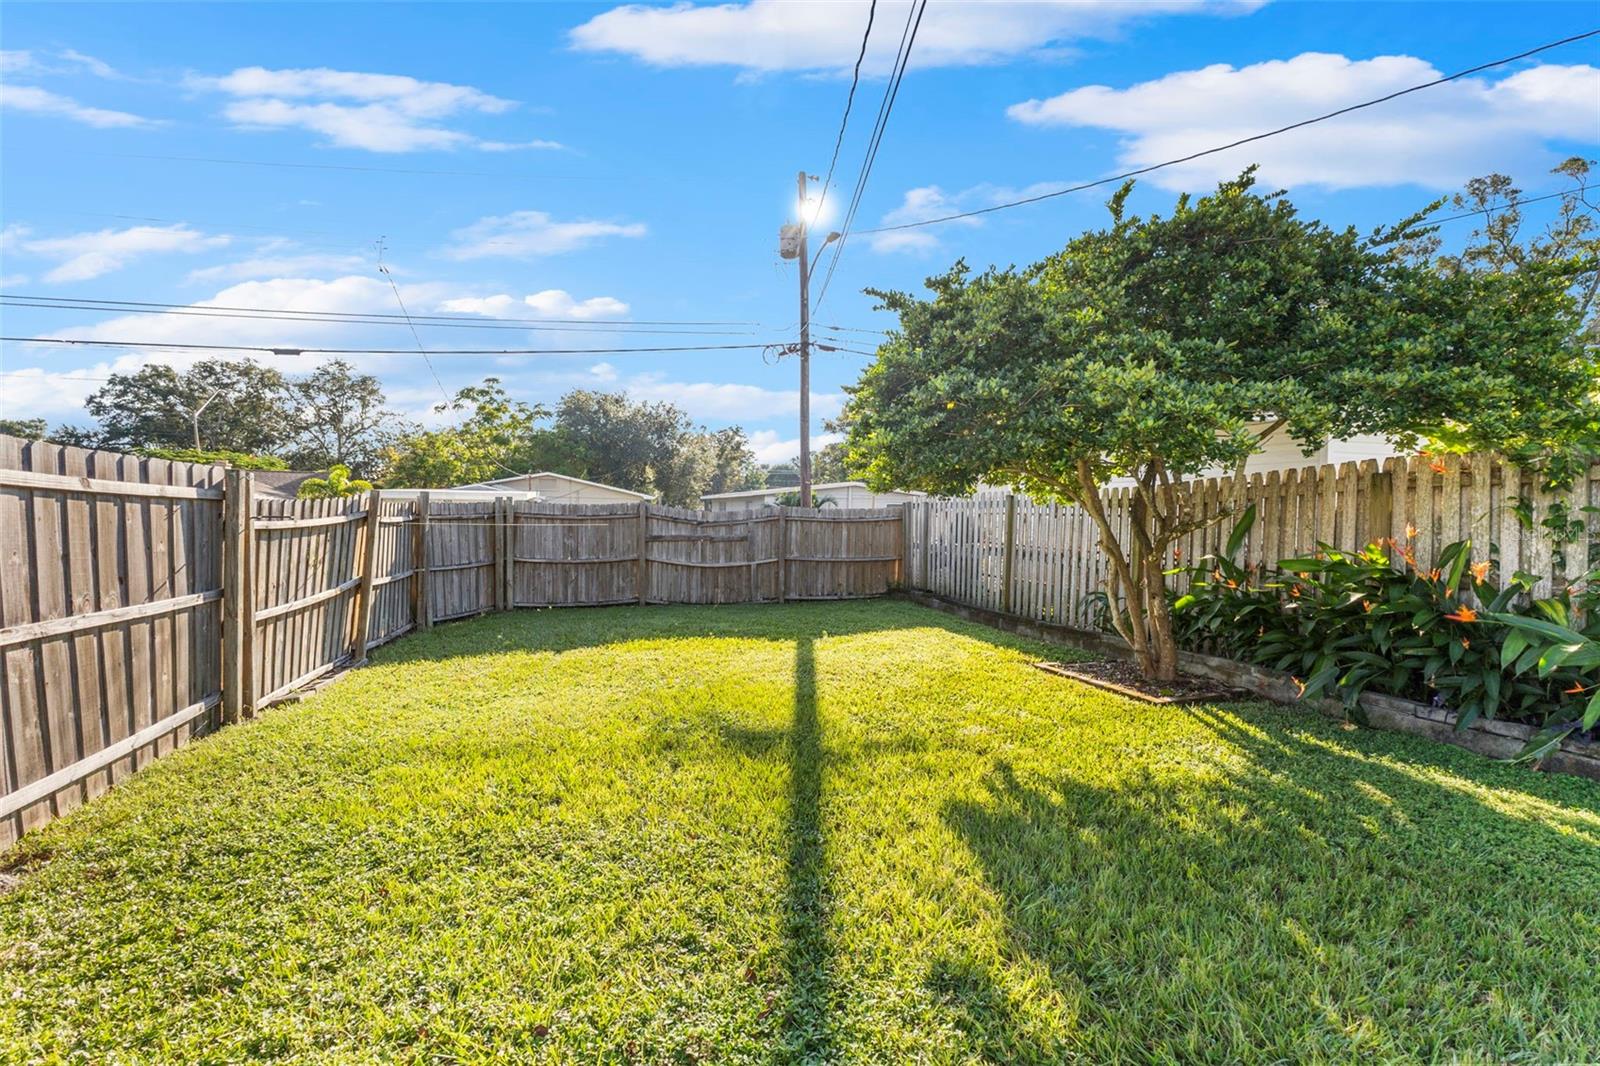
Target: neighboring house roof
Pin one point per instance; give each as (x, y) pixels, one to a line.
(817, 487)
(284, 483)
(507, 482)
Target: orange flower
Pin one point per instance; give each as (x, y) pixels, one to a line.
(1480, 571)
(1411, 531)
(1463, 614)
(1577, 687)
(1437, 466)
(1216, 575)
(1465, 643)
(1177, 555)
(1300, 686)
(1366, 605)
(1232, 584)
(1433, 575)
(1294, 590)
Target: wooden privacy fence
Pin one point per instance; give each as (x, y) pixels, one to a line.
(143, 602)
(110, 619)
(1044, 561)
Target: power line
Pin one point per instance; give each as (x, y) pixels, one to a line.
(855, 79)
(908, 38)
(414, 334)
(295, 349)
(1242, 141)
(354, 319)
(374, 314)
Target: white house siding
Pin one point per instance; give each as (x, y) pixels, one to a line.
(842, 493)
(552, 487)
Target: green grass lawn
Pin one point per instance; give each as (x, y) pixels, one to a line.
(860, 832)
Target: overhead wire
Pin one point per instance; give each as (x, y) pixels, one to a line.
(355, 319)
(296, 349)
(908, 38)
(375, 314)
(855, 79)
(1241, 141)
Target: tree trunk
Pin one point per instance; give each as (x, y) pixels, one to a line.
(1136, 573)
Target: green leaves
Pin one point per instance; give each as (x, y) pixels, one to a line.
(1347, 622)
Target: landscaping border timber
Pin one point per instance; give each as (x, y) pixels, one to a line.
(1496, 739)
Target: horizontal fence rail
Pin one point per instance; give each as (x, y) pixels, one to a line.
(1044, 561)
(110, 620)
(143, 602)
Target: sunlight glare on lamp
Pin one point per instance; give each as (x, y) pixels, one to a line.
(816, 210)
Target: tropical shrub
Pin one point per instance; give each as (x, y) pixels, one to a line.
(338, 483)
(1343, 623)
(1547, 646)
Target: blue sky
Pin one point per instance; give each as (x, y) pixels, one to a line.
(592, 163)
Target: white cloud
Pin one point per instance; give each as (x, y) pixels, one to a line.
(82, 256)
(771, 35)
(12, 280)
(38, 101)
(350, 294)
(37, 392)
(531, 233)
(278, 266)
(98, 67)
(1437, 138)
(559, 304)
(919, 205)
(353, 109)
(66, 61)
(771, 447)
(508, 146)
(727, 401)
(551, 303)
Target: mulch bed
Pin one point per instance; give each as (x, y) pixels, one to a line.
(1122, 677)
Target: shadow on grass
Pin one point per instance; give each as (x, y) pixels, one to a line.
(1295, 898)
(807, 906)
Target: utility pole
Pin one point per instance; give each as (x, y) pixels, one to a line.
(805, 351)
(793, 241)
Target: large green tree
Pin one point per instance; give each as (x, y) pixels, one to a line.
(1150, 348)
(340, 419)
(216, 404)
(734, 467)
(496, 437)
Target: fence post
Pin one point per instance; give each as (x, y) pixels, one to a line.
(902, 573)
(369, 564)
(252, 683)
(783, 552)
(508, 553)
(927, 549)
(641, 576)
(423, 609)
(1009, 549)
(497, 548)
(236, 508)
